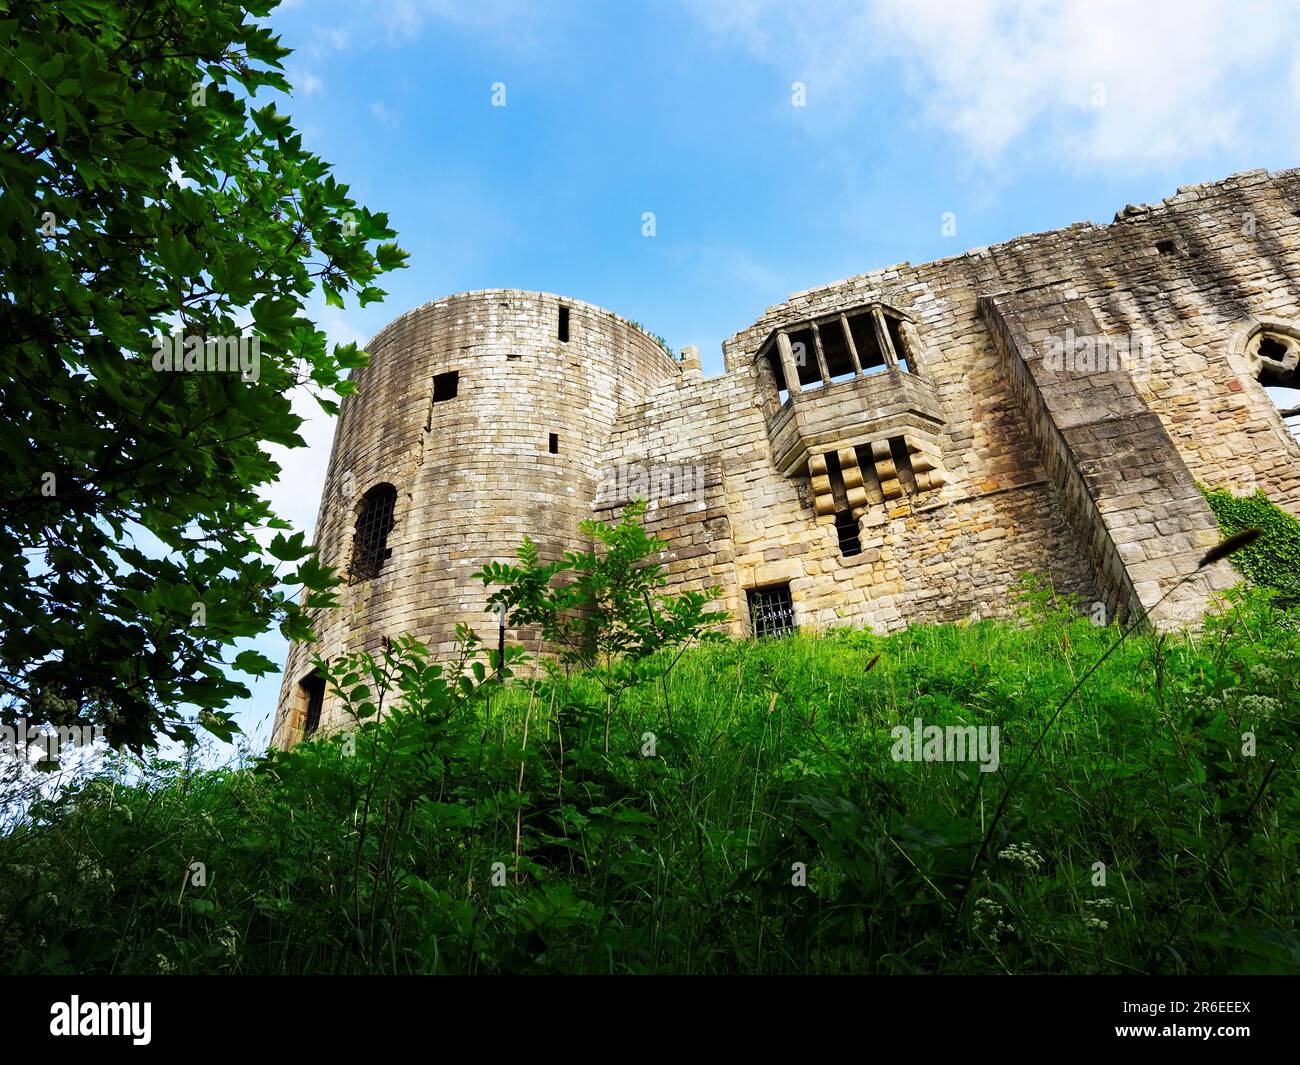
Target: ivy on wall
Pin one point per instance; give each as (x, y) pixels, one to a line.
(1273, 559)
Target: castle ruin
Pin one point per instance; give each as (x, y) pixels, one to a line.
(896, 447)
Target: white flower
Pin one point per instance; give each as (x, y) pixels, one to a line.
(1262, 675)
(1023, 855)
(988, 920)
(1261, 706)
(1093, 921)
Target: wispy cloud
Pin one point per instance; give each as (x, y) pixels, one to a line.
(347, 26)
(1094, 81)
(295, 495)
(385, 115)
(305, 82)
(405, 17)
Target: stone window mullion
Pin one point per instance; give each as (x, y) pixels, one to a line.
(787, 363)
(821, 355)
(883, 338)
(853, 348)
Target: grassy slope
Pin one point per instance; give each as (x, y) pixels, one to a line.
(778, 753)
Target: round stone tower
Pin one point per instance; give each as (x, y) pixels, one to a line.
(480, 418)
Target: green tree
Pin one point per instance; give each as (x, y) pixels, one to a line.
(610, 615)
(611, 611)
(150, 199)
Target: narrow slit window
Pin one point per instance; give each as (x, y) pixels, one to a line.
(771, 611)
(445, 385)
(375, 521)
(846, 529)
(312, 688)
(836, 474)
(554, 443)
(564, 325)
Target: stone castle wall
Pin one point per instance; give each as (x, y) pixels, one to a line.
(1016, 457)
(473, 473)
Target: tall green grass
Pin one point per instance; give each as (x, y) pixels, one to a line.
(768, 829)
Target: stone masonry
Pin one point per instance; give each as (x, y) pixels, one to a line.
(897, 447)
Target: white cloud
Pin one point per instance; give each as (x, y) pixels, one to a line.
(295, 496)
(327, 39)
(385, 115)
(305, 82)
(1179, 78)
(400, 21)
(402, 18)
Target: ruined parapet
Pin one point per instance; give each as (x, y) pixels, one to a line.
(691, 368)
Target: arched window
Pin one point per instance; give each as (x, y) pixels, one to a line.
(312, 692)
(1275, 356)
(374, 522)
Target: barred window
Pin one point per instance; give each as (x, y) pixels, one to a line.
(374, 522)
(771, 611)
(313, 692)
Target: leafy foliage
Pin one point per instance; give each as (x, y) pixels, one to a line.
(1272, 560)
(464, 825)
(146, 191)
(611, 616)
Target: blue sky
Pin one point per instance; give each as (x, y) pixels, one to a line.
(1013, 120)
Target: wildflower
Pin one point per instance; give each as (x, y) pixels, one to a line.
(1261, 674)
(1093, 920)
(1261, 706)
(92, 873)
(989, 922)
(1022, 855)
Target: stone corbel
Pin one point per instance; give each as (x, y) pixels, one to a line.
(823, 495)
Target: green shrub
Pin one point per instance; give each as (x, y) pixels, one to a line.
(1274, 559)
(736, 807)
